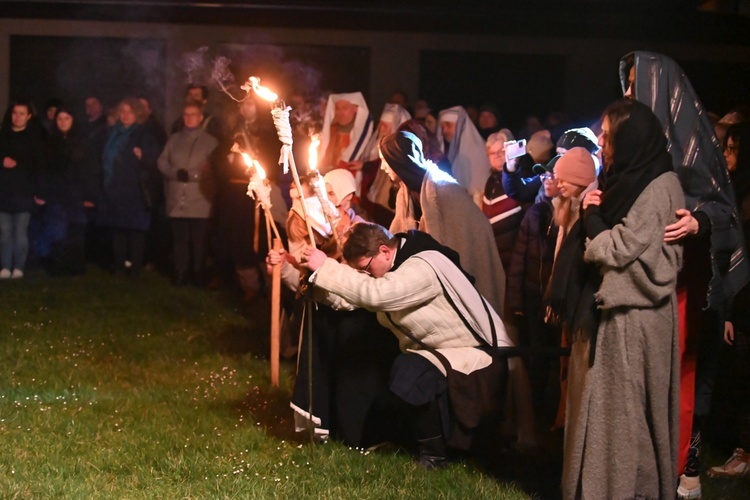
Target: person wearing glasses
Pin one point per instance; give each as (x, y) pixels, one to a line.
(417, 286)
(737, 327)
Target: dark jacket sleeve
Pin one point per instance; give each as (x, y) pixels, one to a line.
(522, 185)
(517, 269)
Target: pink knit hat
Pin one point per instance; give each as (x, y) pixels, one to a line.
(577, 167)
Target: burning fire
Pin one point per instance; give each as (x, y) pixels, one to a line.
(312, 152)
(262, 92)
(253, 163)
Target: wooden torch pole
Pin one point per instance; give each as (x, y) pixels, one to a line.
(275, 316)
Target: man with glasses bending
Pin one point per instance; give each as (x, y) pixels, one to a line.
(421, 293)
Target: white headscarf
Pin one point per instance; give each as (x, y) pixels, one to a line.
(360, 134)
(393, 114)
(467, 154)
(342, 182)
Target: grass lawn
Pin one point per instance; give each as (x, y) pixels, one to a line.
(113, 388)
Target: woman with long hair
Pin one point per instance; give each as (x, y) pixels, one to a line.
(623, 381)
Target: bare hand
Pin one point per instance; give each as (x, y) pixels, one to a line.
(592, 198)
(728, 332)
(313, 258)
(274, 258)
(9, 162)
(39, 201)
(686, 226)
(89, 204)
(510, 164)
(138, 152)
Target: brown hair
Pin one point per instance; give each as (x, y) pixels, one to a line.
(136, 106)
(618, 112)
(364, 239)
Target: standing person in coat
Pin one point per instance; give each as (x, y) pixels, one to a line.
(737, 330)
(189, 186)
(570, 281)
(69, 190)
(22, 156)
(503, 212)
(529, 272)
(124, 205)
(623, 385)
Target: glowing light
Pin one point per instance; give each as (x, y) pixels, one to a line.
(259, 170)
(262, 92)
(254, 164)
(312, 152)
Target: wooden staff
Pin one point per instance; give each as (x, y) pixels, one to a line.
(276, 316)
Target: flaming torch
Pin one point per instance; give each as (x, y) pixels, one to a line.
(280, 114)
(260, 189)
(319, 186)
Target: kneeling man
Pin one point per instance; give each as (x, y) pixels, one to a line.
(421, 293)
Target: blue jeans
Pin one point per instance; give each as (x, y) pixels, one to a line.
(14, 240)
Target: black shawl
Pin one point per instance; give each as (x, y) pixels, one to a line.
(403, 153)
(639, 157)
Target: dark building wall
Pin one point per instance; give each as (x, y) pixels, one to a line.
(535, 73)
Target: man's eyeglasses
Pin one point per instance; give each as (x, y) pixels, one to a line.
(549, 176)
(366, 270)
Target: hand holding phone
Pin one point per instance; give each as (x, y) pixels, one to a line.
(514, 149)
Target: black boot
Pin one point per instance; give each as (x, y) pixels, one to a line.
(432, 453)
(428, 432)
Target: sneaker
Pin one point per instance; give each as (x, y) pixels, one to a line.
(4, 274)
(689, 487)
(738, 465)
(16, 274)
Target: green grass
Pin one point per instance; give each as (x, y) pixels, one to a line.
(112, 388)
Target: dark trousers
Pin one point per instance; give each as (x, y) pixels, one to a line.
(188, 236)
(128, 244)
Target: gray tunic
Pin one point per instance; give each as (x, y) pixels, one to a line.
(622, 423)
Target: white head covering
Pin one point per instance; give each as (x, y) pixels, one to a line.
(342, 181)
(393, 114)
(361, 130)
(467, 154)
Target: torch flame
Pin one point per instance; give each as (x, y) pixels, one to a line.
(253, 163)
(312, 151)
(262, 92)
(259, 170)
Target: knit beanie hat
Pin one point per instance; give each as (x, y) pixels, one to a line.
(579, 137)
(577, 167)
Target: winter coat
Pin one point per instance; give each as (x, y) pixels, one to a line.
(124, 202)
(188, 150)
(19, 185)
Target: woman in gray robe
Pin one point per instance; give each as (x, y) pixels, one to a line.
(623, 384)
